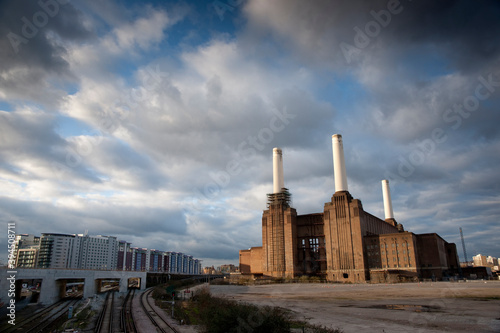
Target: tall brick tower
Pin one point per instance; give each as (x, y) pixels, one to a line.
(342, 220)
(279, 227)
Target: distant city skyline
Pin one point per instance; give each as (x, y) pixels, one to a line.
(156, 121)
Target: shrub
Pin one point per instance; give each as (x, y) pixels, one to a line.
(226, 316)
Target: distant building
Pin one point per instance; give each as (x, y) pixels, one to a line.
(140, 259)
(344, 243)
(55, 251)
(230, 268)
(25, 241)
(26, 249)
(95, 252)
(479, 260)
(124, 260)
(26, 258)
(82, 251)
(209, 270)
(492, 261)
(486, 261)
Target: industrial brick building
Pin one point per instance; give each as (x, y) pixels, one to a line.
(344, 243)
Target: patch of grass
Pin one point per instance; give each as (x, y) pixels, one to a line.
(301, 326)
(220, 315)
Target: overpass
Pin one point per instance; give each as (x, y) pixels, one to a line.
(53, 282)
(156, 278)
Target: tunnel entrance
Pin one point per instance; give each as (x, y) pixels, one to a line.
(105, 285)
(134, 283)
(71, 288)
(28, 290)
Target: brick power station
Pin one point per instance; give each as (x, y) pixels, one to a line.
(344, 243)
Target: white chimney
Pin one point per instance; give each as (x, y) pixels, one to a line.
(339, 163)
(278, 180)
(386, 192)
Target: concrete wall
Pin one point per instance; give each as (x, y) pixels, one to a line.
(52, 279)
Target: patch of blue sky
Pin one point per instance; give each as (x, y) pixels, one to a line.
(424, 63)
(69, 87)
(4, 106)
(69, 127)
(204, 20)
(92, 195)
(342, 92)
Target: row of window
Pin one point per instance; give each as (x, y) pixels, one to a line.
(382, 246)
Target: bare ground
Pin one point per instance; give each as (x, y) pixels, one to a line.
(411, 307)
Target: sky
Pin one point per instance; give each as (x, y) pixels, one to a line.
(154, 121)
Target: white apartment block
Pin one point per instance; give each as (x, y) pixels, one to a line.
(82, 251)
(55, 251)
(77, 251)
(95, 252)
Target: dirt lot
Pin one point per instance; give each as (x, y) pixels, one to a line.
(412, 307)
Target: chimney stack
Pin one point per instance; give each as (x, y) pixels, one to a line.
(386, 192)
(278, 180)
(339, 163)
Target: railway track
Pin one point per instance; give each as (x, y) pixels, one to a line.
(46, 315)
(155, 318)
(105, 320)
(36, 315)
(47, 321)
(127, 322)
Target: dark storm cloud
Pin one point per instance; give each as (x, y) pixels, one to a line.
(129, 223)
(31, 48)
(464, 30)
(102, 218)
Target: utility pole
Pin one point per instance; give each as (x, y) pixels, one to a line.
(463, 246)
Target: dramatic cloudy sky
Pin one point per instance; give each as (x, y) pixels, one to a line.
(155, 121)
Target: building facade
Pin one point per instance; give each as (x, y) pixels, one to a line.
(95, 252)
(26, 248)
(344, 243)
(56, 251)
(99, 252)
